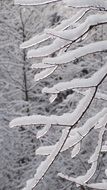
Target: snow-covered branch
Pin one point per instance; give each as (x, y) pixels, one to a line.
(87, 3)
(93, 81)
(82, 180)
(34, 2)
(68, 37)
(65, 24)
(72, 55)
(66, 119)
(63, 36)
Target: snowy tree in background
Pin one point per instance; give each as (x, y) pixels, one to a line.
(17, 146)
(76, 30)
(13, 80)
(16, 76)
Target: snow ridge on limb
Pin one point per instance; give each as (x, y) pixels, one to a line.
(43, 131)
(37, 39)
(67, 37)
(71, 135)
(104, 149)
(99, 95)
(45, 73)
(47, 50)
(87, 3)
(76, 135)
(78, 83)
(65, 24)
(34, 41)
(73, 3)
(45, 165)
(82, 180)
(102, 185)
(72, 55)
(76, 150)
(72, 34)
(102, 96)
(34, 2)
(101, 120)
(64, 120)
(41, 66)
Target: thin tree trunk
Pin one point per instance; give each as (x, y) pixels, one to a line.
(24, 66)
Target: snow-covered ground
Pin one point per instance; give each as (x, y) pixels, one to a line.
(17, 146)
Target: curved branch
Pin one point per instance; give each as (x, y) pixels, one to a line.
(79, 83)
(72, 55)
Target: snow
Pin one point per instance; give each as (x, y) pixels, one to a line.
(43, 167)
(104, 149)
(34, 2)
(43, 131)
(58, 43)
(52, 98)
(93, 81)
(82, 179)
(64, 25)
(93, 159)
(86, 3)
(45, 73)
(80, 30)
(77, 53)
(17, 158)
(75, 150)
(102, 122)
(47, 50)
(65, 119)
(40, 66)
(45, 150)
(34, 41)
(78, 135)
(98, 185)
(95, 156)
(78, 3)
